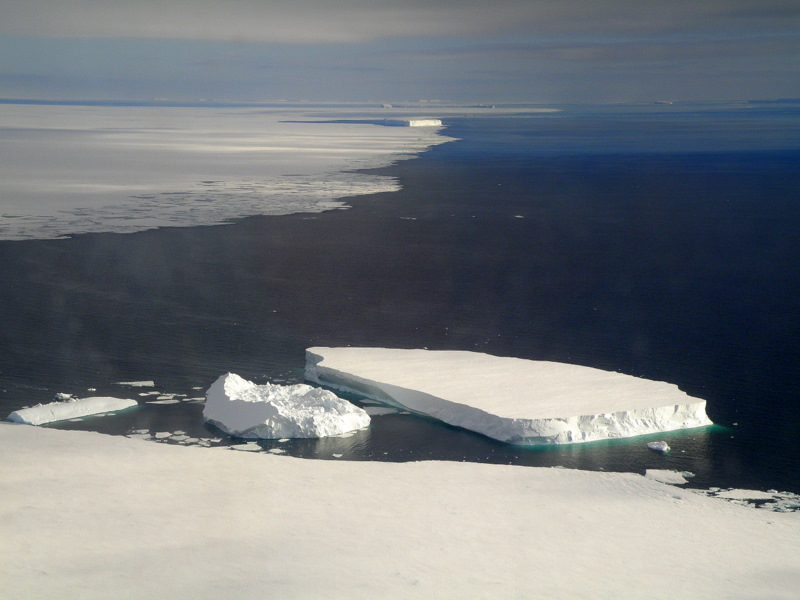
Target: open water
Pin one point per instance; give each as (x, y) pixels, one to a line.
(659, 242)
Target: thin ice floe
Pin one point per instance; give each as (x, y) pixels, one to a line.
(509, 399)
(243, 409)
(71, 409)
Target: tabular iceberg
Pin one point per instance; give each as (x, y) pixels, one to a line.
(243, 409)
(418, 122)
(513, 400)
(71, 409)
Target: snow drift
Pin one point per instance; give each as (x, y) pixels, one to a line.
(244, 409)
(509, 399)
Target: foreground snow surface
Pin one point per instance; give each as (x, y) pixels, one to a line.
(82, 513)
(71, 409)
(509, 399)
(243, 409)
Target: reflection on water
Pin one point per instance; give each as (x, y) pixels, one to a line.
(405, 437)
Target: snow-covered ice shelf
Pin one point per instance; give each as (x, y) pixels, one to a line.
(71, 409)
(244, 409)
(73, 169)
(509, 399)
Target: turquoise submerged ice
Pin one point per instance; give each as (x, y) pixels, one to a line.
(509, 399)
(243, 409)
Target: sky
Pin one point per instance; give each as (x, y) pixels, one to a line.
(538, 51)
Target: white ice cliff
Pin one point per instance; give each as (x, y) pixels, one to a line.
(244, 409)
(71, 409)
(509, 399)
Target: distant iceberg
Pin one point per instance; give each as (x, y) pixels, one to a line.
(71, 409)
(243, 409)
(513, 400)
(414, 122)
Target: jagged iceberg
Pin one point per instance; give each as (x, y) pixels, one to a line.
(270, 411)
(71, 409)
(513, 400)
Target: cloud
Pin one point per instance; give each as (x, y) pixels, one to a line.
(354, 21)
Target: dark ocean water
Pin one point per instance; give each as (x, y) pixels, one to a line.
(661, 243)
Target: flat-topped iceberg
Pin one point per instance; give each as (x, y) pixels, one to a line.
(414, 122)
(243, 409)
(71, 409)
(513, 400)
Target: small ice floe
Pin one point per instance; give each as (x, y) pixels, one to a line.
(666, 476)
(136, 383)
(337, 455)
(660, 446)
(71, 409)
(276, 451)
(167, 401)
(62, 397)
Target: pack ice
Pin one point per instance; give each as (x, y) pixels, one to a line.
(513, 400)
(270, 411)
(71, 409)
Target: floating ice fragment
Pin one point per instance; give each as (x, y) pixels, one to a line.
(244, 409)
(509, 399)
(74, 408)
(661, 447)
(136, 383)
(62, 397)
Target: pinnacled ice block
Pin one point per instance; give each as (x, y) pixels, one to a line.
(513, 400)
(70, 409)
(243, 409)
